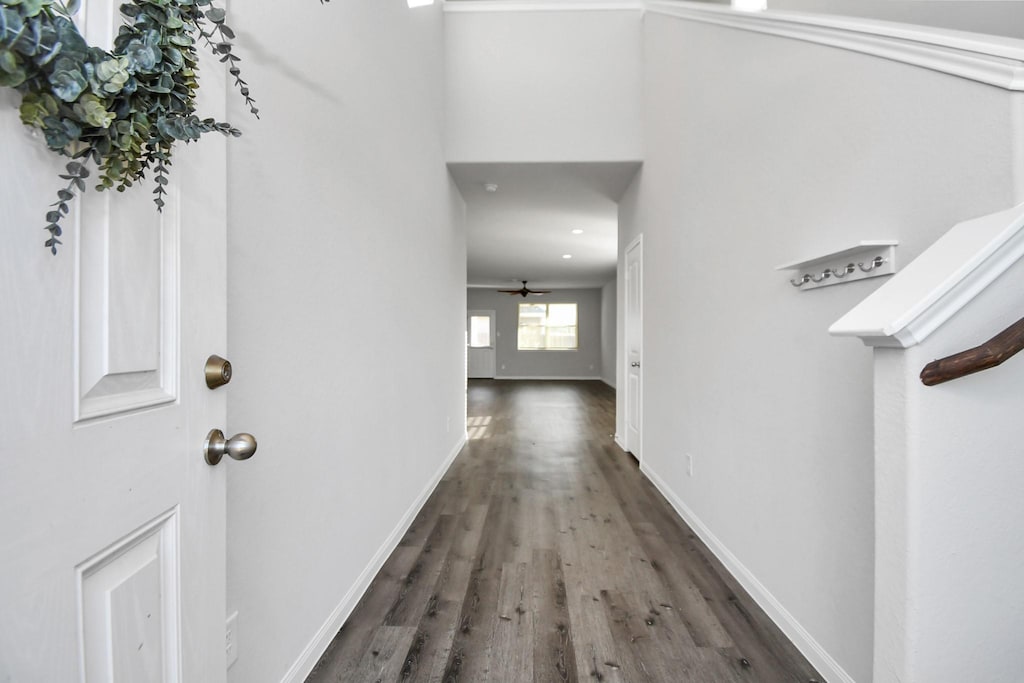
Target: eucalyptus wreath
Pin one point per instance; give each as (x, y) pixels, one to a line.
(121, 110)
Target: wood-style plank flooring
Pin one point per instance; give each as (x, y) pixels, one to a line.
(544, 555)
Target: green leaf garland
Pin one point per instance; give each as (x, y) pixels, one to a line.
(122, 110)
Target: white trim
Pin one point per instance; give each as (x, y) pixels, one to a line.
(636, 449)
(538, 6)
(987, 59)
(99, 393)
(1017, 142)
(938, 283)
(810, 648)
(166, 527)
(550, 377)
(318, 645)
(620, 443)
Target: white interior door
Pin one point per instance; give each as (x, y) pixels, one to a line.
(481, 340)
(634, 346)
(111, 524)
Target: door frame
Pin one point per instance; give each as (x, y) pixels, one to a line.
(635, 448)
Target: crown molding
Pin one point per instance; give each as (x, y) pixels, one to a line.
(538, 6)
(993, 60)
(938, 283)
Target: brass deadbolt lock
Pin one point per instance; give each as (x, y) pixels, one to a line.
(218, 371)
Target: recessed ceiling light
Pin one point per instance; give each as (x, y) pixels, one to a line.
(491, 187)
(577, 231)
(566, 256)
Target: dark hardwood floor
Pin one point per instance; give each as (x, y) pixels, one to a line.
(544, 555)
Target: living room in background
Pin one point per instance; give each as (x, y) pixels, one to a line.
(548, 327)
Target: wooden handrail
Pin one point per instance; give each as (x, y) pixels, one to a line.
(990, 354)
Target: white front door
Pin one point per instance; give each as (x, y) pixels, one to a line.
(480, 338)
(112, 563)
(634, 346)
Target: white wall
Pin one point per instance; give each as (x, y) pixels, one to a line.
(967, 478)
(585, 362)
(964, 514)
(762, 150)
(341, 211)
(608, 326)
(948, 507)
(541, 85)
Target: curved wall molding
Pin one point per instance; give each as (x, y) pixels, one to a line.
(993, 60)
(535, 6)
(986, 59)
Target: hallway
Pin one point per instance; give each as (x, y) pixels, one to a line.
(544, 555)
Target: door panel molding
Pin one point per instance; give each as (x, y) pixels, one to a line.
(126, 303)
(126, 283)
(128, 607)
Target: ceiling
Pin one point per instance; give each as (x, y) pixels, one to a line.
(521, 230)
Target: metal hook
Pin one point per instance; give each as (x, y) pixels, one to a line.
(824, 274)
(801, 282)
(849, 268)
(875, 263)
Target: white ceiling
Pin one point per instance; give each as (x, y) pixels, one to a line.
(521, 231)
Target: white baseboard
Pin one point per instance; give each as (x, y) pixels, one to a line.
(549, 377)
(610, 383)
(620, 443)
(316, 647)
(808, 646)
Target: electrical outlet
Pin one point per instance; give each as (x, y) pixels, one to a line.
(689, 464)
(231, 639)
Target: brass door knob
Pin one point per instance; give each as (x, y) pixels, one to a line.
(239, 447)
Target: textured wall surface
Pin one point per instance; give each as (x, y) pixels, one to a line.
(352, 376)
(544, 86)
(763, 150)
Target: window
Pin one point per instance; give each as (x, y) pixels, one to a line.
(480, 331)
(550, 327)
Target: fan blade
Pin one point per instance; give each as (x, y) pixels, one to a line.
(509, 291)
(540, 291)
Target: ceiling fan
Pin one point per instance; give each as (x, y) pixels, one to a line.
(524, 290)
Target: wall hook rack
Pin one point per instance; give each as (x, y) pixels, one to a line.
(869, 258)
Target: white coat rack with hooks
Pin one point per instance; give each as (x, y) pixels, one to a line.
(868, 258)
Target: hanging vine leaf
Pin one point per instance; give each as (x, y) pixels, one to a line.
(76, 175)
